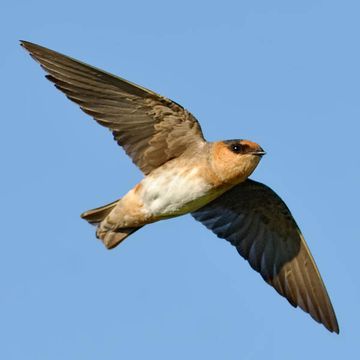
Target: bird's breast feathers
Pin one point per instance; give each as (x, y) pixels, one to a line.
(174, 192)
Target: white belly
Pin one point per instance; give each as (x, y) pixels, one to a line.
(173, 192)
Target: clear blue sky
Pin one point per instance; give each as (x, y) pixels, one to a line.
(284, 74)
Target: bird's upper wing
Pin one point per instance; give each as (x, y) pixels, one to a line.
(152, 129)
(258, 223)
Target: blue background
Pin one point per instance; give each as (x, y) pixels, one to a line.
(284, 74)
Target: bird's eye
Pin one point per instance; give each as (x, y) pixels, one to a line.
(236, 148)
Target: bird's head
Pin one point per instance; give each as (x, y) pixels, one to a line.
(234, 160)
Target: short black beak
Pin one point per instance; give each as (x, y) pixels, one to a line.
(259, 152)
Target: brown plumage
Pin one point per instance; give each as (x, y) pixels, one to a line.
(152, 130)
(186, 174)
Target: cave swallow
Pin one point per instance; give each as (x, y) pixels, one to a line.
(184, 173)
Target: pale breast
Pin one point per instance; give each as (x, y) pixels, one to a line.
(173, 191)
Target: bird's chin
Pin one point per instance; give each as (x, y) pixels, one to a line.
(251, 163)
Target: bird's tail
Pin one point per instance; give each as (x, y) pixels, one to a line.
(109, 237)
(112, 238)
(96, 216)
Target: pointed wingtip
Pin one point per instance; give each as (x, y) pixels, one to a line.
(335, 330)
(331, 325)
(29, 46)
(25, 44)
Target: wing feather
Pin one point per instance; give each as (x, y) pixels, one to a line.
(258, 223)
(151, 128)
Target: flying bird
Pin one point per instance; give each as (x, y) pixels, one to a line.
(184, 173)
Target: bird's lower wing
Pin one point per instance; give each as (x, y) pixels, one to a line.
(258, 223)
